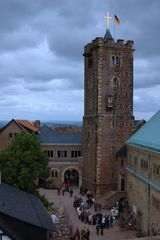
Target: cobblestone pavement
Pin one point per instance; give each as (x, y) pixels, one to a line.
(66, 202)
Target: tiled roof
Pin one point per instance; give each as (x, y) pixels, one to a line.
(148, 135)
(27, 124)
(49, 136)
(24, 207)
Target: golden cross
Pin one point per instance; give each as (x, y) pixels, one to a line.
(107, 20)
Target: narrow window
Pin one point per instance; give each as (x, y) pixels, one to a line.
(116, 82)
(10, 136)
(59, 154)
(48, 152)
(113, 59)
(54, 173)
(117, 60)
(65, 153)
(122, 163)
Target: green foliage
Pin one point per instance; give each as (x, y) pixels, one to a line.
(46, 203)
(49, 183)
(23, 162)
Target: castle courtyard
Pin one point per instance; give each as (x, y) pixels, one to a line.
(65, 203)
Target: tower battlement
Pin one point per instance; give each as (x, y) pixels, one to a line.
(99, 42)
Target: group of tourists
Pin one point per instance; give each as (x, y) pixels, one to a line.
(85, 215)
(89, 212)
(84, 234)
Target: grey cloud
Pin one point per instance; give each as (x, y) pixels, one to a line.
(41, 53)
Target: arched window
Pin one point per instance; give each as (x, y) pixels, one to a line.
(113, 59)
(115, 82)
(117, 60)
(54, 173)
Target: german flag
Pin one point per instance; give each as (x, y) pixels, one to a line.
(116, 20)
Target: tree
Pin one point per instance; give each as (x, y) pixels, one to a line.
(23, 162)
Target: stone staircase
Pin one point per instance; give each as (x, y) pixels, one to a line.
(108, 200)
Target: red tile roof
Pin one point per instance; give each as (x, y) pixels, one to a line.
(27, 124)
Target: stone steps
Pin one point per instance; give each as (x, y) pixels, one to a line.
(108, 200)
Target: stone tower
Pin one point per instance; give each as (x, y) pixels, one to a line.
(108, 115)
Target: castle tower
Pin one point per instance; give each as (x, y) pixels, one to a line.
(108, 114)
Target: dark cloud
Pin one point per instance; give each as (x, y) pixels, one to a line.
(41, 54)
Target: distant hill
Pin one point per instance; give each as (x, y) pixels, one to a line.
(52, 123)
(2, 123)
(61, 123)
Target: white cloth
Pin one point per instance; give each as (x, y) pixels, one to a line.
(54, 218)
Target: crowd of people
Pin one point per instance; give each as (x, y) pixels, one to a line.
(89, 212)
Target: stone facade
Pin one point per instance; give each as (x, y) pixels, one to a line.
(143, 188)
(108, 115)
(60, 164)
(65, 151)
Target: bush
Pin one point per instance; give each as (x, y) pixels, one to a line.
(49, 184)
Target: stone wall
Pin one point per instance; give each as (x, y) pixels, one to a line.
(108, 114)
(143, 188)
(62, 164)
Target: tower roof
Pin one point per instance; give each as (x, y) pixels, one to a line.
(107, 36)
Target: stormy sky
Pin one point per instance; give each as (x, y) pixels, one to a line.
(41, 61)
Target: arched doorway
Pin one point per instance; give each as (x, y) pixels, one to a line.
(71, 176)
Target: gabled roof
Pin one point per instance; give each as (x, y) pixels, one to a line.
(24, 124)
(27, 124)
(148, 136)
(49, 136)
(24, 206)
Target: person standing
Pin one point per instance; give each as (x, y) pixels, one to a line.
(87, 234)
(97, 229)
(71, 192)
(107, 222)
(101, 227)
(111, 221)
(95, 207)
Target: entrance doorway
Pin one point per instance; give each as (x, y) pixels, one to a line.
(71, 176)
(122, 184)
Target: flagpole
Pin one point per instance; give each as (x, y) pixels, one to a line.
(114, 31)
